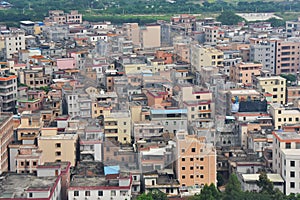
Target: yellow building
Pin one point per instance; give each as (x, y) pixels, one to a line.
(30, 126)
(283, 116)
(57, 147)
(205, 56)
(117, 126)
(196, 160)
(274, 85)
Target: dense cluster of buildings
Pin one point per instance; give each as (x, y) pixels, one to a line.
(103, 111)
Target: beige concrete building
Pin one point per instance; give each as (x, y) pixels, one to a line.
(182, 51)
(287, 56)
(30, 127)
(6, 137)
(57, 147)
(132, 32)
(150, 36)
(117, 127)
(242, 73)
(293, 94)
(274, 85)
(195, 161)
(202, 56)
(282, 115)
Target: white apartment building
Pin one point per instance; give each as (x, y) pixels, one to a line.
(13, 43)
(286, 160)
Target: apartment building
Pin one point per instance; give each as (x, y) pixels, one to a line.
(242, 72)
(6, 137)
(155, 155)
(32, 102)
(274, 85)
(90, 141)
(213, 34)
(8, 93)
(29, 128)
(14, 43)
(286, 150)
(58, 147)
(263, 51)
(34, 79)
(293, 94)
(105, 187)
(74, 17)
(287, 56)
(195, 161)
(163, 181)
(132, 32)
(202, 56)
(182, 52)
(174, 119)
(150, 36)
(24, 158)
(78, 104)
(283, 115)
(146, 130)
(292, 27)
(117, 127)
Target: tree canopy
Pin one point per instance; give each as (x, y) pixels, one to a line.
(229, 18)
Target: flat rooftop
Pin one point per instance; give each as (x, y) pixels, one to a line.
(255, 177)
(244, 92)
(287, 135)
(16, 185)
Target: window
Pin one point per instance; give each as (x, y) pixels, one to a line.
(22, 163)
(191, 159)
(182, 150)
(30, 194)
(201, 159)
(87, 193)
(58, 153)
(182, 159)
(201, 167)
(58, 145)
(34, 163)
(182, 168)
(287, 145)
(183, 176)
(76, 193)
(124, 123)
(113, 193)
(292, 163)
(100, 193)
(292, 184)
(191, 167)
(193, 150)
(191, 176)
(201, 176)
(292, 174)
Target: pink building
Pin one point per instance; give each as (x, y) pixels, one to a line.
(65, 63)
(33, 102)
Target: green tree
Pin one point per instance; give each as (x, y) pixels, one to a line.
(220, 180)
(233, 189)
(153, 195)
(276, 22)
(144, 197)
(229, 18)
(266, 186)
(208, 193)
